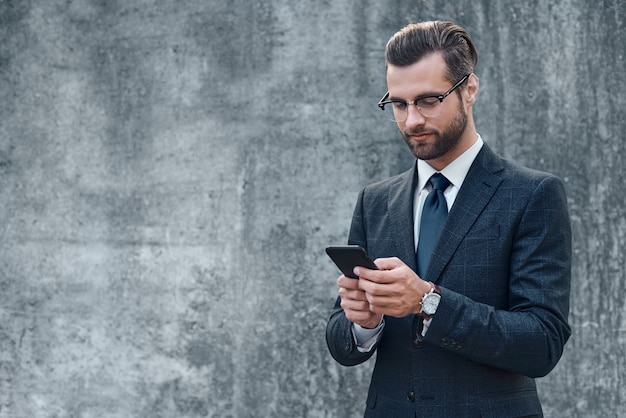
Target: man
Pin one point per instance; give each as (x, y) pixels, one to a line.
(462, 329)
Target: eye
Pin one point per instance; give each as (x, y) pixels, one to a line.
(398, 105)
(428, 101)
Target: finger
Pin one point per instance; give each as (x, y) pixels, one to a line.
(383, 264)
(352, 294)
(347, 282)
(375, 276)
(365, 319)
(352, 305)
(388, 263)
(381, 301)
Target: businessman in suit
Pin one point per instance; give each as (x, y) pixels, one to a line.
(471, 299)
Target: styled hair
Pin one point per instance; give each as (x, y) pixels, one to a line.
(416, 40)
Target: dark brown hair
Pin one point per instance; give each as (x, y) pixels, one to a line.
(416, 40)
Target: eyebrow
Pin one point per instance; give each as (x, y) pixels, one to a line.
(421, 96)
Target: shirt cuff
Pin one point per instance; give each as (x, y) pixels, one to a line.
(365, 338)
(425, 325)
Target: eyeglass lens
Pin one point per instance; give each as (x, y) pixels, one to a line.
(429, 107)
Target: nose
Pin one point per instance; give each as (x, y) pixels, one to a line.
(413, 117)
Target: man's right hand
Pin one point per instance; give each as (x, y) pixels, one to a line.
(355, 305)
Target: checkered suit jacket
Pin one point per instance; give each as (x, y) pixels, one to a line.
(503, 263)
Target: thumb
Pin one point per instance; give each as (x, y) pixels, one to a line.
(388, 263)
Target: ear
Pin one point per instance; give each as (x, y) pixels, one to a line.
(471, 89)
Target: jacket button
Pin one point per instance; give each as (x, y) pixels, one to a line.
(445, 341)
(410, 396)
(417, 343)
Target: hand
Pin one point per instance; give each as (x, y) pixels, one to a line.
(394, 290)
(355, 305)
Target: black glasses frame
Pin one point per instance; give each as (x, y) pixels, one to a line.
(382, 102)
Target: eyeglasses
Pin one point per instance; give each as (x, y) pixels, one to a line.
(429, 106)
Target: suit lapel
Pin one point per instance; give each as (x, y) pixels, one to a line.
(400, 213)
(478, 188)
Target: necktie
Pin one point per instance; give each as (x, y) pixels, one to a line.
(434, 215)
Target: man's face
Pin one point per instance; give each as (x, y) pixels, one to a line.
(437, 140)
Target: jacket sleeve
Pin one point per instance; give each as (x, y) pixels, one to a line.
(528, 335)
(339, 337)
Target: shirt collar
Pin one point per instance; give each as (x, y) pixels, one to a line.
(455, 172)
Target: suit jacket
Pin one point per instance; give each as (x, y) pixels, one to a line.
(503, 262)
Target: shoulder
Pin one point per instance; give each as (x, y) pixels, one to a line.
(512, 172)
(396, 191)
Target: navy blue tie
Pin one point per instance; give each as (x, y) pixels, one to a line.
(434, 215)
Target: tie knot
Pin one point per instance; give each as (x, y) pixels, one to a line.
(439, 182)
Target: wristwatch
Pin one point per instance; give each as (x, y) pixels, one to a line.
(430, 301)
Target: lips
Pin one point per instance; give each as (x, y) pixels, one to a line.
(420, 136)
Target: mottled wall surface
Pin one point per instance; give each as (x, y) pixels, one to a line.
(171, 171)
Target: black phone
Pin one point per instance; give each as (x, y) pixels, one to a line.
(347, 257)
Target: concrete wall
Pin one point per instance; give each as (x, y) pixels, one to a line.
(170, 173)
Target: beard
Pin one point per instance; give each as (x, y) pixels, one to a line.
(444, 141)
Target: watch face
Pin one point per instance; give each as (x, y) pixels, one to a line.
(430, 303)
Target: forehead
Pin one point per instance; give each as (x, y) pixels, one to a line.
(427, 76)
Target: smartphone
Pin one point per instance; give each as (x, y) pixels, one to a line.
(347, 257)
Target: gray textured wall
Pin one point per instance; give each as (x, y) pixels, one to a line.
(171, 171)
